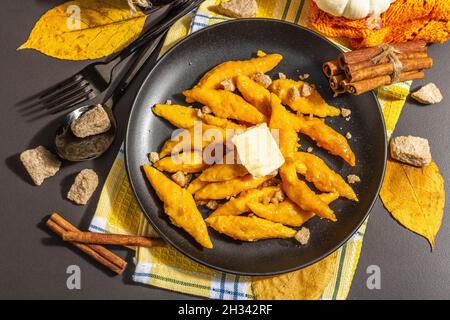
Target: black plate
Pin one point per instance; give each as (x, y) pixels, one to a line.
(304, 52)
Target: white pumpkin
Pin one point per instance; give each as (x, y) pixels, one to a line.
(354, 9)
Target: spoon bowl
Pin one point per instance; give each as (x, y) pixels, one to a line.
(72, 148)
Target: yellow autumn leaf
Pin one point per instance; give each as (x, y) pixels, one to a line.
(305, 284)
(415, 197)
(105, 27)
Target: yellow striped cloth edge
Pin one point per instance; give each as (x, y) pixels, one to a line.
(118, 211)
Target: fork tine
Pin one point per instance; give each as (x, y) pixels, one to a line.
(71, 103)
(62, 85)
(57, 110)
(43, 93)
(68, 96)
(63, 91)
(55, 97)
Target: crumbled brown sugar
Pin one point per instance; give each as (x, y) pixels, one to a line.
(238, 8)
(40, 164)
(83, 187)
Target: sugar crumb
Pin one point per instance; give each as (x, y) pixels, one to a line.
(346, 112)
(281, 76)
(212, 204)
(278, 197)
(302, 236)
(181, 179)
(228, 85)
(293, 94)
(153, 157)
(304, 76)
(306, 90)
(353, 178)
(262, 79)
(206, 110)
(200, 114)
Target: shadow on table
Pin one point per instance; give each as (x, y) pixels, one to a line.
(43, 137)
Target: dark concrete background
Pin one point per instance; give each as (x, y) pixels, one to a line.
(33, 263)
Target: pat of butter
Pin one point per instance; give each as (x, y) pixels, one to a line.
(258, 151)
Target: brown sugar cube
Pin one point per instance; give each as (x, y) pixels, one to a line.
(84, 186)
(302, 236)
(228, 85)
(153, 157)
(262, 79)
(92, 122)
(181, 178)
(411, 150)
(40, 164)
(238, 8)
(428, 94)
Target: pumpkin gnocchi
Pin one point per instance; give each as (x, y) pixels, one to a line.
(315, 170)
(282, 121)
(249, 228)
(299, 192)
(179, 116)
(239, 205)
(189, 162)
(310, 103)
(226, 189)
(223, 172)
(179, 206)
(231, 69)
(287, 212)
(226, 104)
(254, 93)
(248, 208)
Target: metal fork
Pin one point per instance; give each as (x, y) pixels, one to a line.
(96, 78)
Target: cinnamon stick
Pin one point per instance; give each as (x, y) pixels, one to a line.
(336, 81)
(331, 68)
(337, 84)
(351, 68)
(388, 68)
(369, 53)
(366, 85)
(112, 239)
(59, 226)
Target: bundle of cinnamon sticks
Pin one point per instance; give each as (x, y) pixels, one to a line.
(360, 71)
(90, 242)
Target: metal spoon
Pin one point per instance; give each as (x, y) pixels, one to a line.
(70, 147)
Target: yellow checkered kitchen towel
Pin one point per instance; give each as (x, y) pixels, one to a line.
(118, 211)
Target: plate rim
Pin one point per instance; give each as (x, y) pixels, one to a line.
(174, 245)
